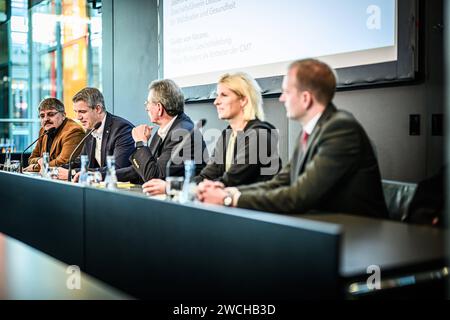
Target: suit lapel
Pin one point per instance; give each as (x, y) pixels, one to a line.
(90, 147)
(173, 127)
(303, 156)
(296, 158)
(155, 144)
(105, 137)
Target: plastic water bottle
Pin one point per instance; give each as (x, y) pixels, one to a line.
(111, 178)
(45, 170)
(189, 186)
(83, 179)
(7, 163)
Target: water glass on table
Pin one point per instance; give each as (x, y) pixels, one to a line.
(174, 186)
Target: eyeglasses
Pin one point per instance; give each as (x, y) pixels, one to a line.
(147, 103)
(48, 114)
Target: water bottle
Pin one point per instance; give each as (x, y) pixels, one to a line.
(83, 179)
(7, 163)
(45, 170)
(111, 178)
(189, 186)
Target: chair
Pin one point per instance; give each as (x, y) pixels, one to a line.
(398, 196)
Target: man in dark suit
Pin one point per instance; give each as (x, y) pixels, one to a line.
(247, 150)
(165, 108)
(113, 137)
(333, 168)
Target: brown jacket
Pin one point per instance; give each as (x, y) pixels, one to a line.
(67, 138)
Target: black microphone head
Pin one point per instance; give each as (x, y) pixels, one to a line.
(202, 123)
(97, 125)
(50, 131)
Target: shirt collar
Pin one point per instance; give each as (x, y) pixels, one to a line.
(309, 127)
(97, 134)
(162, 132)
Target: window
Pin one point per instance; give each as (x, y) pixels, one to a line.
(52, 50)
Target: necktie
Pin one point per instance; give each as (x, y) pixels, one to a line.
(304, 140)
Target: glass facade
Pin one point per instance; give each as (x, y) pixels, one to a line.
(50, 50)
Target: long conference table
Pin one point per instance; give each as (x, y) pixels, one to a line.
(27, 274)
(160, 250)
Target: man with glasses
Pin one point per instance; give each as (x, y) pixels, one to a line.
(113, 137)
(60, 141)
(165, 108)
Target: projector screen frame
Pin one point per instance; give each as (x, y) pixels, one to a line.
(405, 71)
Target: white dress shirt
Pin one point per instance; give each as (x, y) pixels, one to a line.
(309, 127)
(162, 132)
(98, 135)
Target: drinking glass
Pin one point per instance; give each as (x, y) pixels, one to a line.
(174, 186)
(14, 166)
(53, 172)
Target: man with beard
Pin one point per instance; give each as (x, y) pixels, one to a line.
(63, 135)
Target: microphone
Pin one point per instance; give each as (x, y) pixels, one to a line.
(199, 124)
(96, 126)
(46, 132)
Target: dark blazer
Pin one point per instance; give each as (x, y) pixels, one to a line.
(256, 157)
(338, 172)
(150, 162)
(116, 140)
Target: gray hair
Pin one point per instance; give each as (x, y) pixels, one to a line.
(169, 95)
(51, 103)
(92, 96)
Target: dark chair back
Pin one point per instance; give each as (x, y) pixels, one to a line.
(398, 196)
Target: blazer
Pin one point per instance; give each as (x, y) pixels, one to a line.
(256, 157)
(116, 140)
(150, 162)
(67, 137)
(338, 172)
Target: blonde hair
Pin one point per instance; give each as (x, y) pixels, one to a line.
(243, 85)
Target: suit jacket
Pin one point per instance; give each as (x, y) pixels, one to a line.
(116, 140)
(256, 157)
(67, 137)
(338, 172)
(150, 162)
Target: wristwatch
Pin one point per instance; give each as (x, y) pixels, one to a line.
(228, 200)
(139, 144)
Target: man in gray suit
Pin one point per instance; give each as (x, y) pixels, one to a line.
(333, 168)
